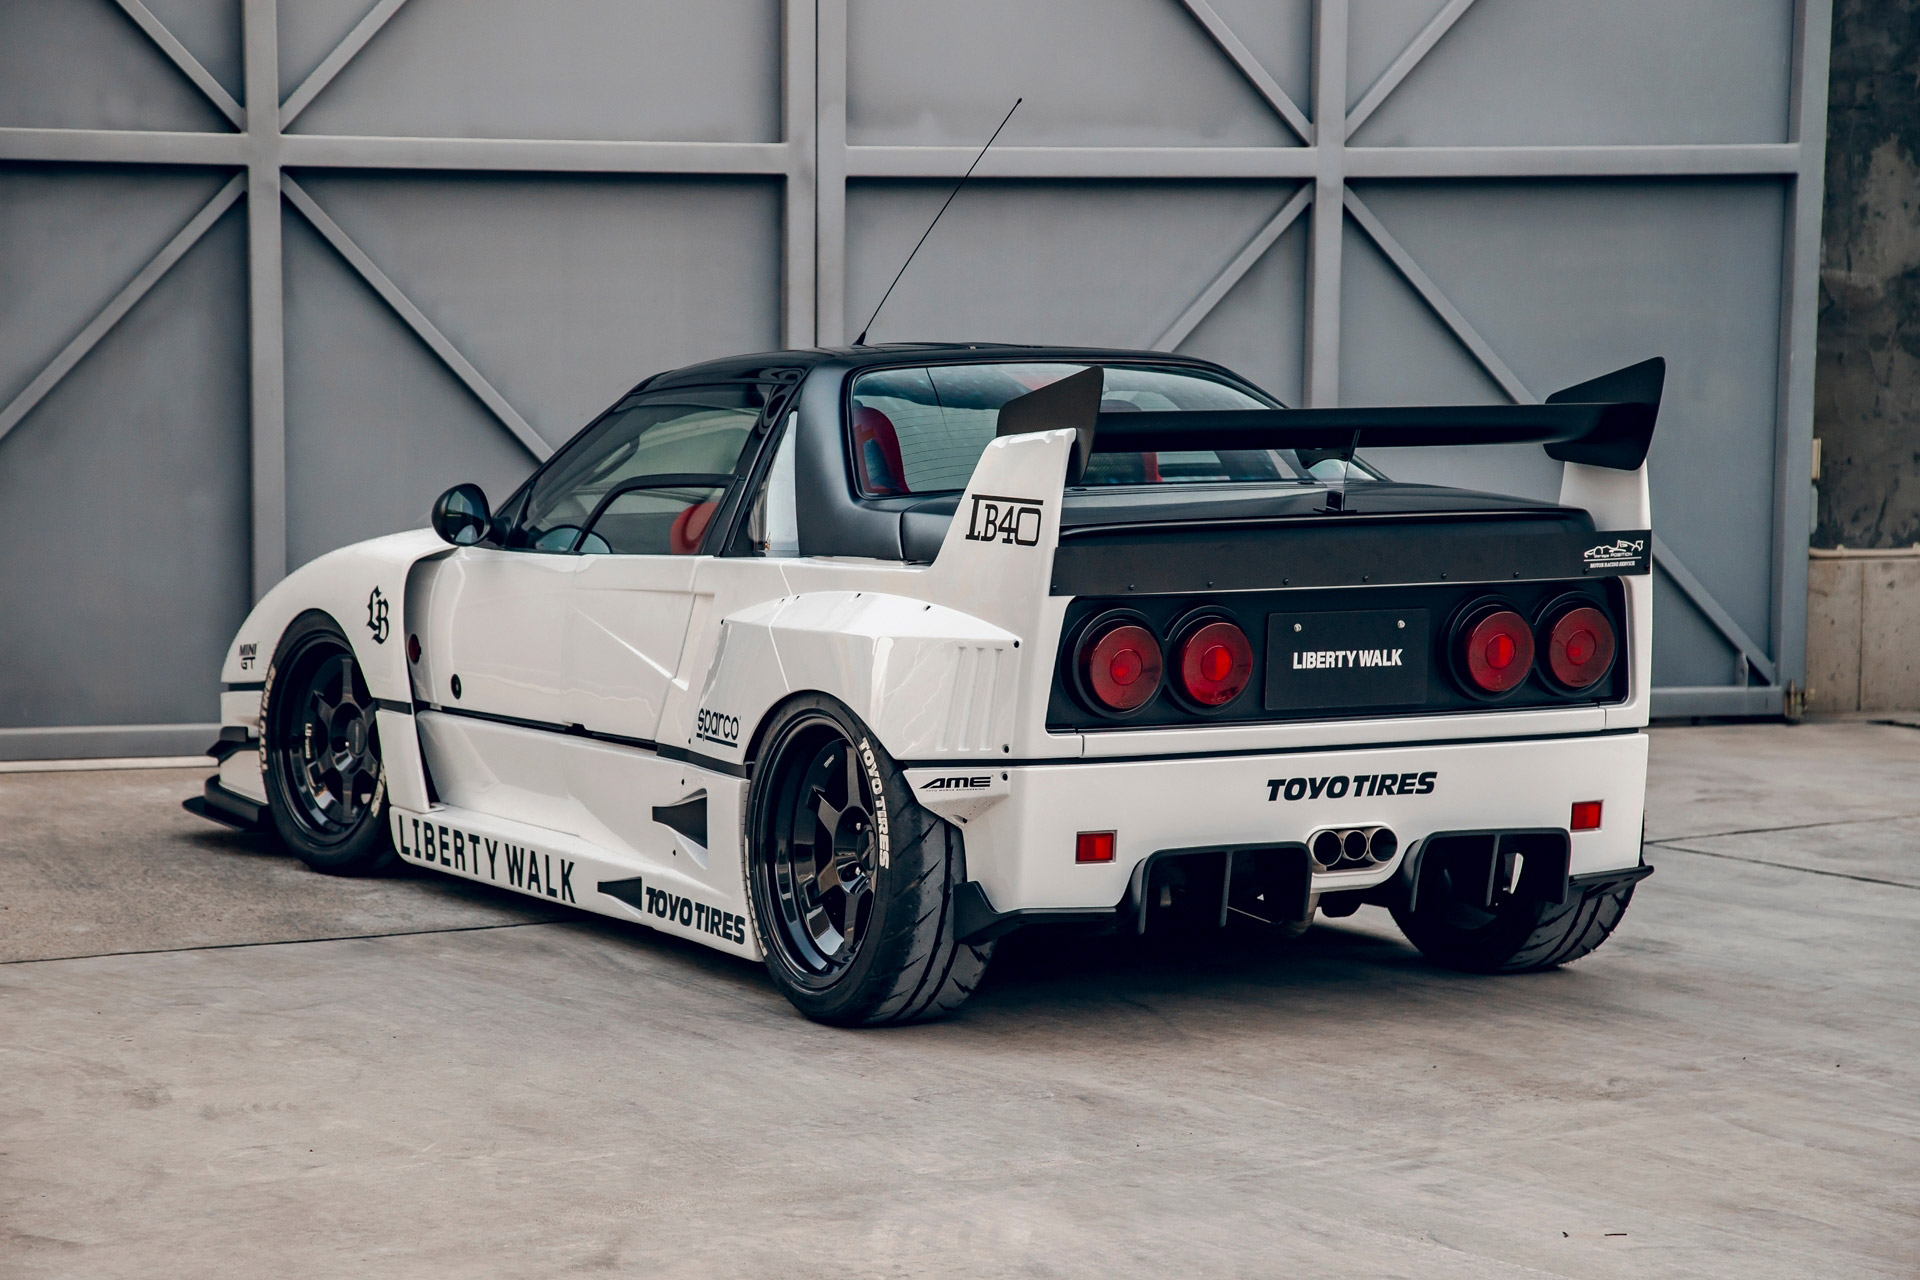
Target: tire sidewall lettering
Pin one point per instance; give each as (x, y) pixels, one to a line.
(878, 787)
(266, 711)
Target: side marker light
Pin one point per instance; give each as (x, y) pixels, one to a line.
(1093, 846)
(1586, 816)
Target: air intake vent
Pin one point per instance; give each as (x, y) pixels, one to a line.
(975, 716)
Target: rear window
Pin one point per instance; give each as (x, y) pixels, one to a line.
(921, 430)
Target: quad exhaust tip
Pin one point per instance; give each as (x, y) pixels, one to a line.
(1351, 848)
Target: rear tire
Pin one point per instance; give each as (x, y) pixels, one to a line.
(1518, 937)
(852, 882)
(326, 786)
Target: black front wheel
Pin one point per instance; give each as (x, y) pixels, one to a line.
(853, 883)
(326, 786)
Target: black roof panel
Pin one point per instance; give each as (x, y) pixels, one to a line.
(764, 364)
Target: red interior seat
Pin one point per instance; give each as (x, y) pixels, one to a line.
(683, 539)
(876, 454)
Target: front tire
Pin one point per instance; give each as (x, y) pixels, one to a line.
(853, 883)
(326, 786)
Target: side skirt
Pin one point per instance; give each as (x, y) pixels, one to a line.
(565, 869)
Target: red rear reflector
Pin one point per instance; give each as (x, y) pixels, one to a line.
(1586, 816)
(1497, 651)
(1216, 662)
(1093, 846)
(1122, 666)
(1580, 647)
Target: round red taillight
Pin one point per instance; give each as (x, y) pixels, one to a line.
(1216, 662)
(1120, 665)
(1580, 647)
(1496, 650)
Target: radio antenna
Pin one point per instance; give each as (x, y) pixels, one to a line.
(861, 341)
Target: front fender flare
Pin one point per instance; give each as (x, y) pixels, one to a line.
(363, 588)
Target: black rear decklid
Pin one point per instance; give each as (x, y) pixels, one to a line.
(1522, 543)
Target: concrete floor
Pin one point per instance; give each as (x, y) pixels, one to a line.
(215, 1062)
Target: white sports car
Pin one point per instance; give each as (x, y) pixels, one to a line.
(855, 660)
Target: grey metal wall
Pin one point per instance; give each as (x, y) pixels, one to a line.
(231, 339)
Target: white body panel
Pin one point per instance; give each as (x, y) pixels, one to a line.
(497, 620)
(951, 665)
(567, 870)
(364, 589)
(626, 620)
(1020, 848)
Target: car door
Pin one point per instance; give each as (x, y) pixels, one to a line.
(629, 601)
(630, 595)
(493, 677)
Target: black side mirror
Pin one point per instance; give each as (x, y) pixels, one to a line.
(460, 515)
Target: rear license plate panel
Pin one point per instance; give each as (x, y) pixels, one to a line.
(1363, 658)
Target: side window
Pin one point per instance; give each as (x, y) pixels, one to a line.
(647, 479)
(772, 526)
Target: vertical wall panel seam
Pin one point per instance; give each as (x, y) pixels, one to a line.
(1322, 373)
(830, 174)
(799, 101)
(266, 321)
(1798, 350)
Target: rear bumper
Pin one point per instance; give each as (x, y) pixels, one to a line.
(1020, 821)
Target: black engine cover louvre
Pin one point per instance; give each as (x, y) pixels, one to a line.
(1332, 551)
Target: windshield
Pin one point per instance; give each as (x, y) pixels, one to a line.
(921, 430)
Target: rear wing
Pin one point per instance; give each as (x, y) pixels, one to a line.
(1606, 422)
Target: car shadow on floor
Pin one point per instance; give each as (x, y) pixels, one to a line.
(1037, 974)
(1339, 970)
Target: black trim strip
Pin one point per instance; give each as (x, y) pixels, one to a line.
(700, 761)
(389, 704)
(244, 686)
(538, 726)
(1262, 751)
(663, 750)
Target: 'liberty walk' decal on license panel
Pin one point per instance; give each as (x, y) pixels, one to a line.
(1366, 658)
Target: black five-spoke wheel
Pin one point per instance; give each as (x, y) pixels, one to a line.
(325, 784)
(332, 749)
(822, 859)
(853, 883)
